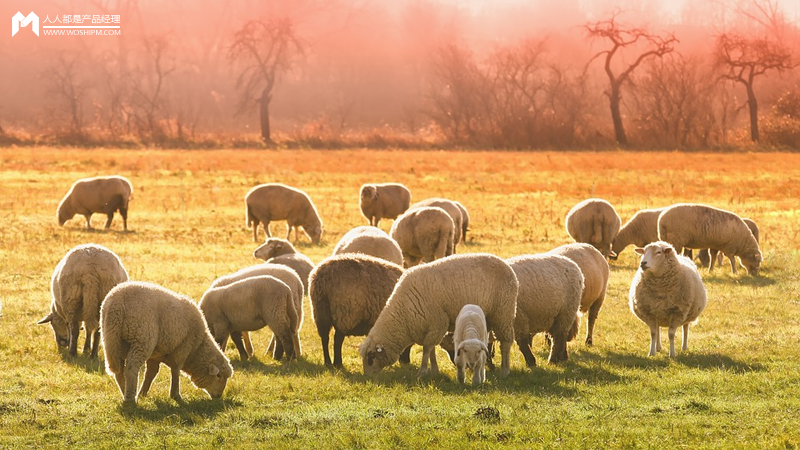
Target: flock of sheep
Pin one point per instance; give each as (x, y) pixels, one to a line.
(398, 289)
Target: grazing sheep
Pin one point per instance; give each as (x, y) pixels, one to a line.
(640, 230)
(426, 302)
(281, 272)
(451, 208)
(595, 279)
(688, 225)
(79, 284)
(370, 241)
(281, 251)
(347, 293)
(423, 234)
(470, 339)
(383, 201)
(666, 292)
(145, 323)
(104, 195)
(550, 288)
(464, 221)
(595, 222)
(249, 305)
(705, 255)
(268, 202)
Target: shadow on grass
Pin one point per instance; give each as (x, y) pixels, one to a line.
(268, 366)
(717, 361)
(84, 230)
(90, 365)
(717, 278)
(711, 361)
(184, 413)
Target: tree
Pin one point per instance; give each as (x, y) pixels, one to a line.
(622, 38)
(64, 83)
(267, 50)
(149, 85)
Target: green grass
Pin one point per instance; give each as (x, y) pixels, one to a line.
(738, 386)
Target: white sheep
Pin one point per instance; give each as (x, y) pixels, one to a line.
(451, 208)
(370, 241)
(550, 288)
(424, 235)
(595, 270)
(249, 305)
(383, 201)
(695, 226)
(666, 292)
(464, 221)
(348, 293)
(640, 230)
(594, 221)
(707, 256)
(267, 202)
(146, 323)
(471, 339)
(79, 284)
(427, 300)
(281, 251)
(104, 195)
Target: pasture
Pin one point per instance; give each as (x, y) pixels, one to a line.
(737, 386)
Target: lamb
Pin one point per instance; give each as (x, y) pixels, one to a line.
(370, 241)
(595, 279)
(550, 288)
(383, 201)
(267, 202)
(470, 339)
(666, 292)
(696, 226)
(348, 293)
(249, 305)
(424, 234)
(464, 221)
(594, 221)
(104, 195)
(705, 256)
(427, 300)
(146, 323)
(281, 251)
(79, 284)
(640, 230)
(287, 276)
(451, 209)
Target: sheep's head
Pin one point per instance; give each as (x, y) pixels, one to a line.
(60, 329)
(315, 233)
(369, 193)
(273, 247)
(64, 213)
(375, 356)
(214, 377)
(471, 353)
(752, 262)
(655, 257)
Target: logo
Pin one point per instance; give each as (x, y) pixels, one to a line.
(20, 20)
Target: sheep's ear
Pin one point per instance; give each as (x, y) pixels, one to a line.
(485, 349)
(370, 358)
(45, 320)
(668, 250)
(213, 370)
(639, 251)
(279, 245)
(458, 352)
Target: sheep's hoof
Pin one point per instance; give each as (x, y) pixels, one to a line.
(589, 342)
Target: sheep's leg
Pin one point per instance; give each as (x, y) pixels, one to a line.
(175, 385)
(271, 345)
(405, 356)
(427, 350)
(338, 341)
(120, 377)
(732, 259)
(74, 331)
(434, 364)
(266, 229)
(88, 221)
(236, 337)
(248, 344)
(95, 343)
(594, 311)
(671, 332)
(685, 345)
(377, 221)
(124, 213)
(712, 259)
(131, 378)
(149, 375)
(460, 375)
(720, 259)
(658, 338)
(87, 343)
(505, 357)
(525, 348)
(654, 340)
(477, 374)
(277, 352)
(254, 223)
(284, 342)
(108, 221)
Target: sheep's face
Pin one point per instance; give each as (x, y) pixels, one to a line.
(273, 247)
(215, 379)
(315, 233)
(60, 329)
(374, 357)
(471, 353)
(752, 263)
(369, 194)
(64, 215)
(654, 256)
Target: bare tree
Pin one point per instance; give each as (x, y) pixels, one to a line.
(622, 38)
(267, 50)
(65, 84)
(148, 88)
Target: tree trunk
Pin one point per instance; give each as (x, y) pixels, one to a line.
(265, 131)
(616, 115)
(753, 106)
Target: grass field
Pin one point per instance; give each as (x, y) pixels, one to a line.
(738, 386)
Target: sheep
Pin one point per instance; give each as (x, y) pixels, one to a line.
(451, 209)
(347, 293)
(249, 305)
(383, 201)
(146, 323)
(79, 284)
(425, 304)
(705, 255)
(550, 288)
(281, 272)
(267, 202)
(666, 292)
(370, 241)
(595, 222)
(281, 251)
(594, 268)
(464, 221)
(689, 225)
(640, 230)
(104, 195)
(470, 339)
(424, 234)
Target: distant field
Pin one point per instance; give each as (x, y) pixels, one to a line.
(736, 387)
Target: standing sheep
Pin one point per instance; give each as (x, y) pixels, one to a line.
(451, 208)
(595, 279)
(706, 256)
(281, 251)
(687, 225)
(550, 288)
(249, 305)
(640, 230)
(370, 241)
(104, 195)
(383, 201)
(470, 339)
(464, 221)
(595, 222)
(79, 284)
(268, 202)
(424, 235)
(666, 292)
(427, 300)
(145, 323)
(348, 293)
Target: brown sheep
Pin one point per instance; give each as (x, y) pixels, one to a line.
(383, 201)
(268, 202)
(104, 195)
